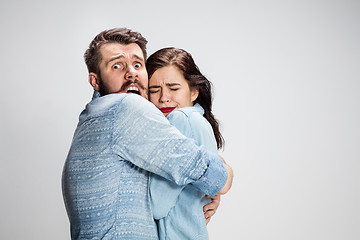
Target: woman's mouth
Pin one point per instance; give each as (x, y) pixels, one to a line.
(167, 109)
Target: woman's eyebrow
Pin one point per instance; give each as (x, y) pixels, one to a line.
(172, 84)
(167, 84)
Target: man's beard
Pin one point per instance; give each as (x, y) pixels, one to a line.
(104, 90)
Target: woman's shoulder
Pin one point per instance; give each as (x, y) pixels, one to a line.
(189, 116)
(192, 112)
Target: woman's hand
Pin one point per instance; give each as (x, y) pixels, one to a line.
(210, 208)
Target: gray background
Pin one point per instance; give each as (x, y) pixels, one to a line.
(286, 80)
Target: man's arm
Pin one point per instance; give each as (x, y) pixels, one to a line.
(193, 125)
(148, 141)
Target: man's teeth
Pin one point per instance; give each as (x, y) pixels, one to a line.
(133, 89)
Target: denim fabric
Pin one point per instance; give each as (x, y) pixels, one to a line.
(179, 209)
(119, 140)
(191, 122)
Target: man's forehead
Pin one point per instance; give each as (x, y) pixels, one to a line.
(109, 50)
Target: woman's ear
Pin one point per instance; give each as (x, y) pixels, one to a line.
(94, 81)
(194, 94)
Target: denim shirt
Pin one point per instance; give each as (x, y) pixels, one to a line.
(179, 209)
(119, 140)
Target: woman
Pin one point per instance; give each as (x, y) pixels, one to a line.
(183, 94)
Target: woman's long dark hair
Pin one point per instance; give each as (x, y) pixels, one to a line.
(184, 61)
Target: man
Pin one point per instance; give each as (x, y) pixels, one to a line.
(119, 140)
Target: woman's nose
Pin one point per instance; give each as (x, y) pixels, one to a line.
(164, 97)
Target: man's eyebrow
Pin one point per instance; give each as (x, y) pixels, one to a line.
(138, 57)
(115, 58)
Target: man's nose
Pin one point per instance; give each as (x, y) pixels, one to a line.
(131, 73)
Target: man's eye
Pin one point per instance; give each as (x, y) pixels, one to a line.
(174, 89)
(137, 65)
(153, 91)
(116, 66)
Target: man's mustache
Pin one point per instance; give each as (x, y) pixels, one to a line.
(128, 83)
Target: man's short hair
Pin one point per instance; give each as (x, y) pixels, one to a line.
(124, 36)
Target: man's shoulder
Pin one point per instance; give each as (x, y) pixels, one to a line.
(119, 101)
(138, 104)
(108, 105)
(134, 100)
(122, 107)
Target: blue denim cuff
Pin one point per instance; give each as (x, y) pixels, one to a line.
(214, 178)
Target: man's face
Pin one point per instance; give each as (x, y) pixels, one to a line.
(122, 70)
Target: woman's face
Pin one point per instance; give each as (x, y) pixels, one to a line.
(168, 90)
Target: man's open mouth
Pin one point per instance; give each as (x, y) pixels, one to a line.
(133, 89)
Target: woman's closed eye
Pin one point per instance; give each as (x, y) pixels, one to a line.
(153, 91)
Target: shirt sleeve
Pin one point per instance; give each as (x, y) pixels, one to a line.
(194, 126)
(143, 136)
(164, 193)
